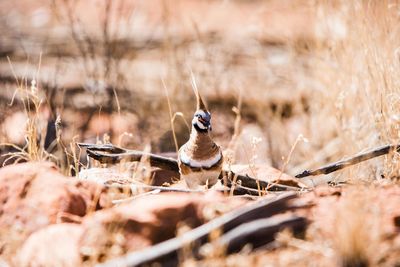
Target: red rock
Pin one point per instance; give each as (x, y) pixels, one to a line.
(33, 195)
(55, 245)
(14, 128)
(112, 232)
(100, 124)
(151, 219)
(357, 222)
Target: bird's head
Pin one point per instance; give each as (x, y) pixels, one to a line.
(202, 120)
(202, 117)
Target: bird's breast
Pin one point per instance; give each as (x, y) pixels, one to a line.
(206, 162)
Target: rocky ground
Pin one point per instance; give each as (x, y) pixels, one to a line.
(48, 219)
(292, 85)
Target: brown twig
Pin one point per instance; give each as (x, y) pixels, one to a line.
(363, 156)
(236, 190)
(259, 232)
(109, 153)
(248, 183)
(166, 251)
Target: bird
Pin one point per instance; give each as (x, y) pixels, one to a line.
(200, 159)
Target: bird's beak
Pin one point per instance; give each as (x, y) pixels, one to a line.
(205, 123)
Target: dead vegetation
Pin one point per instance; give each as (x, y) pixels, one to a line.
(291, 84)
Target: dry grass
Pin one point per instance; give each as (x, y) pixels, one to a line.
(358, 81)
(35, 128)
(337, 87)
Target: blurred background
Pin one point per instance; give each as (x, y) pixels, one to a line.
(292, 84)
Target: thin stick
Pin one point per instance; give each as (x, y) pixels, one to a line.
(133, 155)
(109, 153)
(167, 251)
(250, 184)
(194, 85)
(164, 189)
(373, 153)
(259, 232)
(236, 189)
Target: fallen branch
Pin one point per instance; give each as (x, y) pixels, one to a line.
(249, 184)
(238, 189)
(110, 154)
(259, 232)
(110, 148)
(363, 156)
(166, 251)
